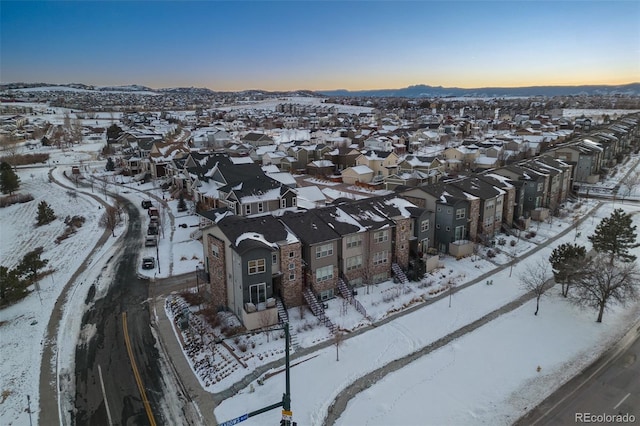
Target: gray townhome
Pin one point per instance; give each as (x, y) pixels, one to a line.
(251, 261)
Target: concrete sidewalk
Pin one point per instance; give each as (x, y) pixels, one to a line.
(198, 404)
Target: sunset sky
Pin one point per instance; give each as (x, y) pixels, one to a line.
(320, 45)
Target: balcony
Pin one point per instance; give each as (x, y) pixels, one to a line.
(260, 315)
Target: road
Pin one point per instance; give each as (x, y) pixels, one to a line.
(120, 367)
(610, 386)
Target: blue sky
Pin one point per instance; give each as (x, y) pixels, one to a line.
(320, 45)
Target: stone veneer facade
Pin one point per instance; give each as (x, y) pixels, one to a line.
(402, 235)
(291, 289)
(474, 215)
(217, 272)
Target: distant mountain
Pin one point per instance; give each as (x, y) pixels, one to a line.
(424, 91)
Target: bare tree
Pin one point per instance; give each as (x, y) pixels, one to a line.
(109, 219)
(338, 340)
(603, 281)
(534, 279)
(629, 183)
(265, 322)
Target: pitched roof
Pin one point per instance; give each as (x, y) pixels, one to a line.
(255, 232)
(309, 227)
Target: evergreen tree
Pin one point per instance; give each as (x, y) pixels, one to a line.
(113, 132)
(9, 180)
(110, 165)
(566, 261)
(12, 288)
(45, 214)
(31, 265)
(614, 236)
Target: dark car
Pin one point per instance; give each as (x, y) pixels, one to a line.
(146, 204)
(148, 263)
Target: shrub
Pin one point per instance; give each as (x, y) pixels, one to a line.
(512, 243)
(243, 347)
(491, 254)
(501, 241)
(15, 199)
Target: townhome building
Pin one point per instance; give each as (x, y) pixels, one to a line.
(491, 204)
(559, 179)
(256, 196)
(250, 262)
(586, 158)
(456, 216)
(531, 185)
(320, 252)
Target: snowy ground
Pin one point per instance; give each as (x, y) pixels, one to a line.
(514, 382)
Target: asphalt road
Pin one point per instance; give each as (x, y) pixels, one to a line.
(108, 388)
(610, 386)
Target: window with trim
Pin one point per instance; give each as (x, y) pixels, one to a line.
(257, 266)
(424, 225)
(260, 207)
(291, 254)
(325, 273)
(448, 228)
(460, 214)
(293, 201)
(283, 203)
(292, 277)
(381, 236)
(215, 251)
(460, 233)
(324, 250)
(292, 266)
(354, 262)
(380, 257)
(258, 293)
(540, 185)
(326, 295)
(354, 241)
(437, 226)
(247, 209)
(439, 209)
(378, 278)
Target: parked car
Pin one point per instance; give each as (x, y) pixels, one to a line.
(153, 229)
(153, 211)
(148, 262)
(146, 204)
(151, 241)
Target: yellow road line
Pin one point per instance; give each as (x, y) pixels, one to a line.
(143, 394)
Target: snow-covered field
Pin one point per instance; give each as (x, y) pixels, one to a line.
(270, 105)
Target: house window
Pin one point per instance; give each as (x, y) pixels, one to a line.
(424, 225)
(356, 282)
(247, 209)
(354, 241)
(540, 187)
(324, 250)
(326, 295)
(283, 203)
(325, 273)
(258, 293)
(354, 262)
(274, 258)
(215, 250)
(292, 277)
(437, 226)
(460, 213)
(380, 257)
(381, 236)
(257, 266)
(293, 201)
(460, 233)
(292, 266)
(291, 254)
(439, 209)
(260, 207)
(378, 278)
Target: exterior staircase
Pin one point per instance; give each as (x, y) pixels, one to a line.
(317, 309)
(399, 273)
(283, 316)
(346, 292)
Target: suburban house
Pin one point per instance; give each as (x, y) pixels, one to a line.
(585, 157)
(258, 195)
(250, 261)
(256, 139)
(382, 163)
(532, 184)
(357, 174)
